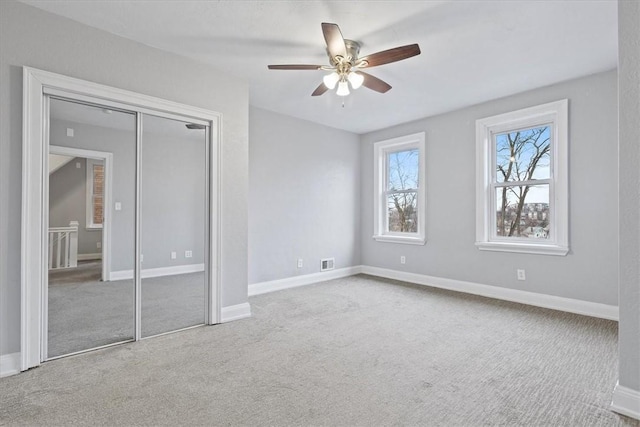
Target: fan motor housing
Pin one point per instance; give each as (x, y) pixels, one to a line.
(353, 49)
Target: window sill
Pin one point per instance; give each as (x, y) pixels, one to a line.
(94, 227)
(523, 248)
(407, 240)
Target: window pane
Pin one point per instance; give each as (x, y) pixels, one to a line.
(98, 193)
(402, 211)
(402, 167)
(523, 155)
(523, 212)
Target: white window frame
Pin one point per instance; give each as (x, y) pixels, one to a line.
(381, 150)
(554, 114)
(89, 184)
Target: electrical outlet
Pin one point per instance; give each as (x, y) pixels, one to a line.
(521, 275)
(174, 255)
(141, 258)
(403, 260)
(300, 263)
(99, 245)
(188, 254)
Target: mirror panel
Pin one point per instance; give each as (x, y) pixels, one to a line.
(173, 227)
(90, 290)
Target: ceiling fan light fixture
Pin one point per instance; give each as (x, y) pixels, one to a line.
(355, 79)
(330, 80)
(343, 89)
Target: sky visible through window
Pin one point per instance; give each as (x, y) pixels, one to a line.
(515, 155)
(402, 170)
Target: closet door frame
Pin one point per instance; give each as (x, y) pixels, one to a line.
(37, 86)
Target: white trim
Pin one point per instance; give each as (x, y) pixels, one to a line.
(37, 83)
(307, 279)
(235, 312)
(523, 248)
(626, 401)
(158, 272)
(9, 364)
(557, 114)
(380, 218)
(569, 305)
(89, 257)
(407, 240)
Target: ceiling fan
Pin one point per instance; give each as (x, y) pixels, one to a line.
(346, 67)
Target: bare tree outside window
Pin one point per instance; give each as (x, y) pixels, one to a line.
(522, 183)
(402, 191)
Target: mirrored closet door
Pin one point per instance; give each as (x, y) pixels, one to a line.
(173, 225)
(128, 226)
(91, 230)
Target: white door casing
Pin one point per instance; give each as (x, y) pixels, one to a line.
(37, 84)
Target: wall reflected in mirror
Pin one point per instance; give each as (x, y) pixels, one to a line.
(173, 201)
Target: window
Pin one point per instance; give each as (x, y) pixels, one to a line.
(522, 189)
(95, 193)
(400, 190)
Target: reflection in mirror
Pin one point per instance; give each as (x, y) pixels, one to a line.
(173, 174)
(90, 294)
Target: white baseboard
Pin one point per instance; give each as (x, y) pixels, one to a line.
(9, 364)
(235, 312)
(157, 272)
(307, 279)
(587, 308)
(89, 257)
(626, 401)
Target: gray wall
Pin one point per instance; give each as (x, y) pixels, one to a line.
(304, 186)
(172, 189)
(629, 181)
(32, 37)
(589, 272)
(172, 193)
(68, 202)
(121, 144)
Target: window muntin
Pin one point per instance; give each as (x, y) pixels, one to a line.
(400, 195)
(522, 180)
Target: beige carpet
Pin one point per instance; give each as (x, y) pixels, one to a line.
(350, 352)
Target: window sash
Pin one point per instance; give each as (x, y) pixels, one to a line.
(389, 192)
(495, 184)
(95, 193)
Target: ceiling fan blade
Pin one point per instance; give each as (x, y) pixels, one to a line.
(391, 55)
(320, 90)
(295, 67)
(374, 83)
(335, 42)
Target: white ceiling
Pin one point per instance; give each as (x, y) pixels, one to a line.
(472, 51)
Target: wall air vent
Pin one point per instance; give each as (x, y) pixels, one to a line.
(327, 264)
